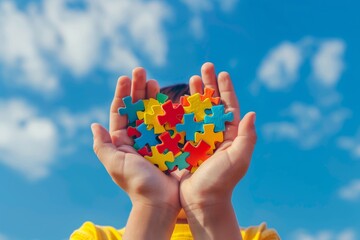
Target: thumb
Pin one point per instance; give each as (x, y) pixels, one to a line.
(103, 146)
(243, 145)
(247, 127)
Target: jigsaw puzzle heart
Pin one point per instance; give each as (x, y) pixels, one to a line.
(176, 135)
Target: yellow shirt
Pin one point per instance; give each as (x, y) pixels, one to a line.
(89, 231)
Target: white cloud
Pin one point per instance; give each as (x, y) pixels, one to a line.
(351, 144)
(347, 234)
(196, 26)
(208, 5)
(107, 34)
(200, 7)
(227, 5)
(76, 127)
(309, 125)
(351, 192)
(279, 69)
(19, 50)
(328, 63)
(74, 122)
(3, 237)
(28, 142)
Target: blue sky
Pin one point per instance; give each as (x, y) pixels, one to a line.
(293, 62)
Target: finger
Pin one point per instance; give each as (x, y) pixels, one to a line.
(118, 122)
(103, 147)
(228, 95)
(196, 85)
(209, 77)
(247, 127)
(229, 99)
(241, 149)
(121, 137)
(152, 88)
(138, 86)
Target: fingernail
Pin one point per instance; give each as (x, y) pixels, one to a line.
(254, 119)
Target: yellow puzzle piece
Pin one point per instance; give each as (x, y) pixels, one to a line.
(160, 158)
(197, 106)
(152, 121)
(209, 136)
(148, 104)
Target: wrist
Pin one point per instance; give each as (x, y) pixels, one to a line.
(213, 221)
(148, 221)
(161, 210)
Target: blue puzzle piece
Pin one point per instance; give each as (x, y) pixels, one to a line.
(219, 117)
(131, 108)
(146, 137)
(179, 161)
(190, 126)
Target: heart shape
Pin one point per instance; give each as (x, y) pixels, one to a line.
(176, 135)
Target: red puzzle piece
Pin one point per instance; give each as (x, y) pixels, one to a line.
(144, 151)
(197, 153)
(132, 131)
(169, 143)
(173, 114)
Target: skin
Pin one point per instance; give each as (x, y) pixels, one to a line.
(203, 198)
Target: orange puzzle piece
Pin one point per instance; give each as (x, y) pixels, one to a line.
(208, 93)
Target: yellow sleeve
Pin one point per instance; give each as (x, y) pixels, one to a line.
(89, 231)
(259, 233)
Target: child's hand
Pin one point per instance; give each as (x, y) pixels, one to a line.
(154, 195)
(206, 194)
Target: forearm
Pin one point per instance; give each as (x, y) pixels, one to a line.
(217, 221)
(150, 222)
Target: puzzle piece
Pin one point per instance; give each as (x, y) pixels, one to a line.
(210, 137)
(148, 104)
(208, 93)
(132, 131)
(197, 106)
(147, 137)
(184, 101)
(173, 132)
(194, 122)
(151, 119)
(161, 97)
(159, 158)
(189, 126)
(169, 143)
(219, 117)
(131, 108)
(144, 151)
(197, 153)
(179, 162)
(172, 114)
